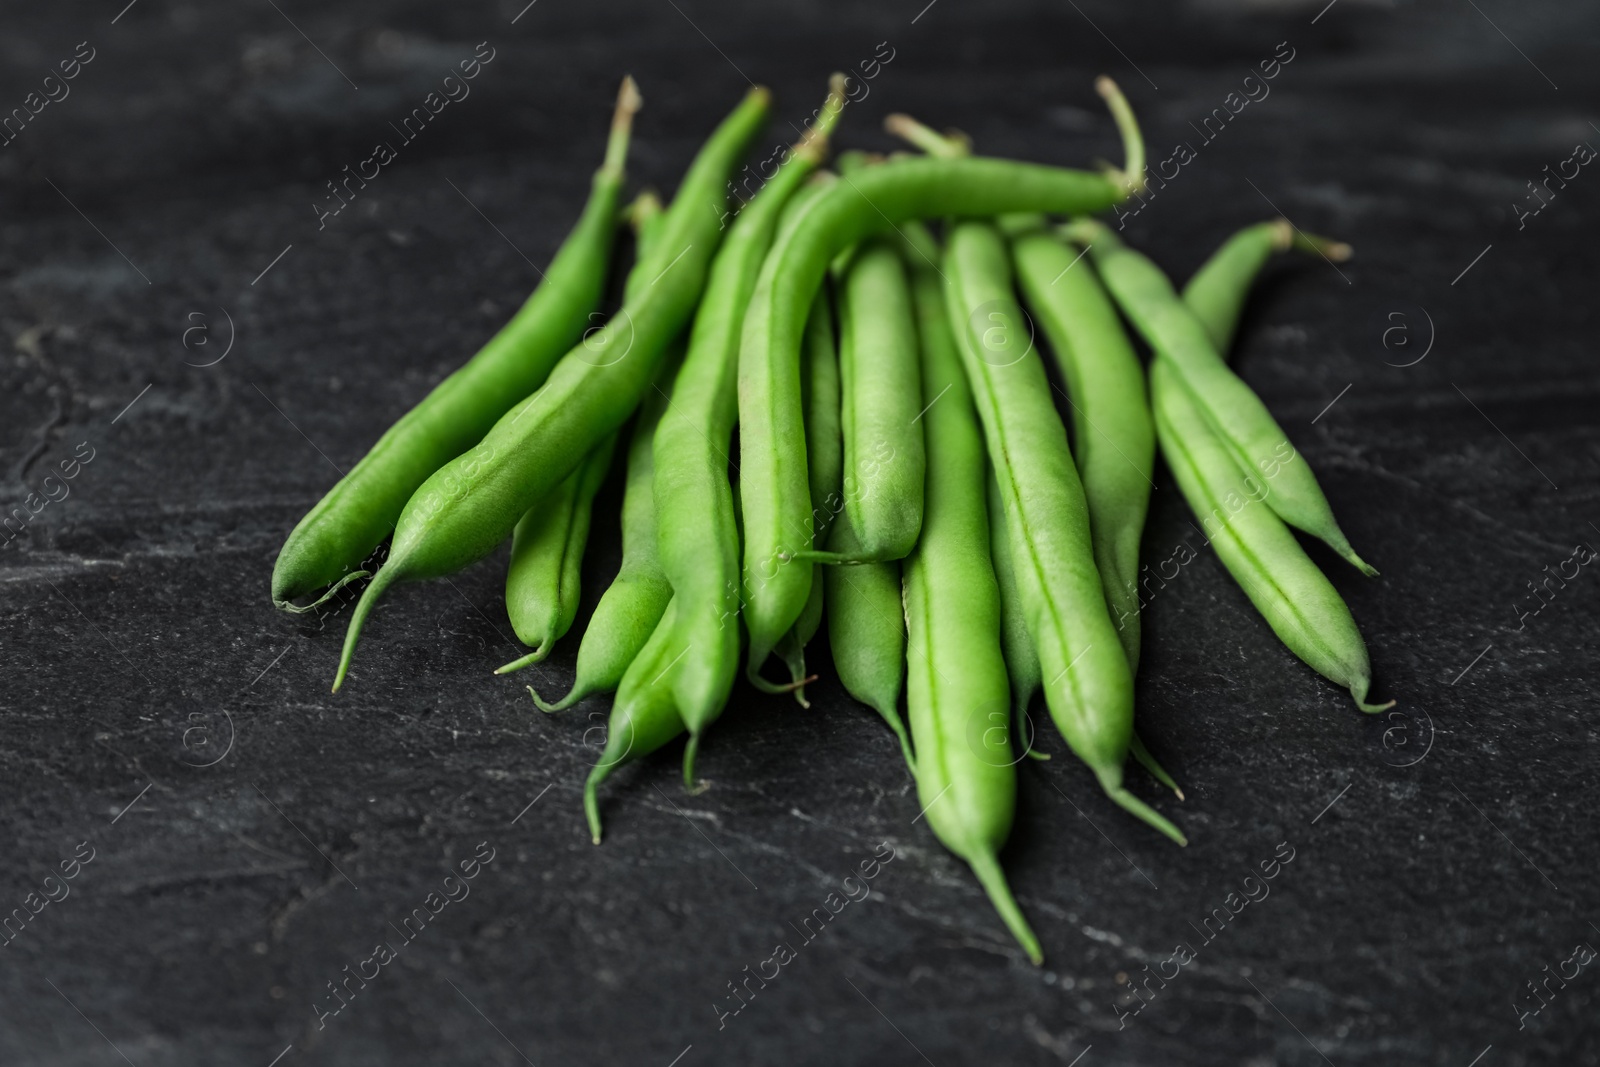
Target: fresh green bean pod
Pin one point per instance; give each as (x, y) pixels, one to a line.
(956, 675)
(692, 658)
(866, 617)
(466, 508)
(867, 634)
(1295, 598)
(329, 544)
(825, 471)
(1088, 683)
(542, 580)
(1022, 662)
(870, 201)
(1300, 605)
(881, 395)
(1113, 438)
(1218, 290)
(644, 722)
(821, 389)
(637, 598)
(1241, 421)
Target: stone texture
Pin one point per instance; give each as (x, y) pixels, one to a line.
(138, 642)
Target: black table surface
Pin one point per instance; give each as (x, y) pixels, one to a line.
(183, 327)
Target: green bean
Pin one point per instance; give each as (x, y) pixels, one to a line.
(1112, 433)
(1238, 416)
(686, 670)
(881, 395)
(637, 598)
(467, 507)
(867, 633)
(825, 471)
(1217, 292)
(1022, 662)
(1297, 600)
(645, 721)
(329, 544)
(547, 558)
(866, 619)
(1088, 683)
(1114, 440)
(821, 390)
(772, 459)
(956, 674)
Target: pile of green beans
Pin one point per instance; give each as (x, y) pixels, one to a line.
(903, 483)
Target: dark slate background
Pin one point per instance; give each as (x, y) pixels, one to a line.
(139, 645)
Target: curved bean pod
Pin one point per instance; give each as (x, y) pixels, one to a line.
(1022, 662)
(335, 536)
(542, 580)
(468, 506)
(824, 471)
(641, 724)
(1238, 416)
(1087, 681)
(1218, 290)
(1295, 598)
(881, 394)
(1262, 556)
(773, 468)
(956, 674)
(867, 634)
(1114, 440)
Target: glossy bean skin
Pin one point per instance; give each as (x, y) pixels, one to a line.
(341, 530)
(1292, 594)
(1216, 285)
(1088, 683)
(1290, 591)
(821, 395)
(1113, 437)
(881, 396)
(866, 613)
(825, 471)
(1218, 290)
(872, 200)
(1022, 662)
(867, 633)
(467, 508)
(956, 679)
(542, 580)
(1239, 418)
(688, 667)
(644, 722)
(637, 598)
